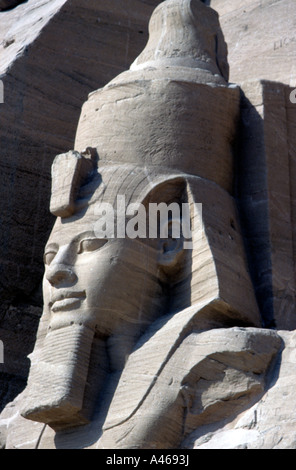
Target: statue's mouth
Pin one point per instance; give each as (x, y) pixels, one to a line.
(66, 300)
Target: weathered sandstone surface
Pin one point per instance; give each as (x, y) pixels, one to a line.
(52, 55)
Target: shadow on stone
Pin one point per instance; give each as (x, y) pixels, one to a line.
(9, 4)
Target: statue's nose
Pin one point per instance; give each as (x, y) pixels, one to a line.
(61, 268)
(58, 273)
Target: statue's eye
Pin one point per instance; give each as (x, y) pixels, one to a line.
(48, 257)
(91, 244)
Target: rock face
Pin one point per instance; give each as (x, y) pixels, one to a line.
(222, 382)
(261, 44)
(266, 194)
(261, 39)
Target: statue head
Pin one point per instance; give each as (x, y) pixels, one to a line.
(159, 134)
(110, 262)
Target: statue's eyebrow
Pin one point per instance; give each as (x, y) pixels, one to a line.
(86, 234)
(76, 239)
(51, 246)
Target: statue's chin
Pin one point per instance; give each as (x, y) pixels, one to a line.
(56, 386)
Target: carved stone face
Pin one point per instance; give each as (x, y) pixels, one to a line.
(105, 284)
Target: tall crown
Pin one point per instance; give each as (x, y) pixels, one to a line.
(186, 34)
(173, 109)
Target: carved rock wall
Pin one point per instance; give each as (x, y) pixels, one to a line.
(261, 39)
(262, 46)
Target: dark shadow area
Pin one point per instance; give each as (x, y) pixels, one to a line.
(10, 387)
(10, 4)
(252, 199)
(19, 326)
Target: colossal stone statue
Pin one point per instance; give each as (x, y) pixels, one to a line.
(145, 338)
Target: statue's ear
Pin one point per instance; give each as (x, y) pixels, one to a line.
(171, 248)
(168, 197)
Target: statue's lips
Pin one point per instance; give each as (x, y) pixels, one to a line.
(66, 301)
